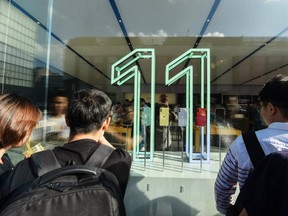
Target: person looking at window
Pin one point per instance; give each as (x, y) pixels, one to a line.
(18, 117)
(273, 107)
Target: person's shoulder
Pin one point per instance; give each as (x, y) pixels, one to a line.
(237, 148)
(22, 163)
(119, 159)
(122, 153)
(237, 143)
(272, 131)
(278, 126)
(19, 175)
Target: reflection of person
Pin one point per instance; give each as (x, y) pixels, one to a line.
(57, 130)
(88, 118)
(122, 114)
(273, 107)
(18, 117)
(165, 140)
(234, 107)
(145, 118)
(115, 113)
(127, 115)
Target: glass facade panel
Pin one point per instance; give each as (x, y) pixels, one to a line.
(47, 46)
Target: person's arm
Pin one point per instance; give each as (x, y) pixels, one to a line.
(226, 182)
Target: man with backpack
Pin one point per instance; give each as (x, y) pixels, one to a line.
(88, 117)
(237, 165)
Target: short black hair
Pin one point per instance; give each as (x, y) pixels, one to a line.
(60, 93)
(275, 91)
(87, 110)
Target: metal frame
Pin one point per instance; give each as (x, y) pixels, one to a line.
(204, 56)
(125, 69)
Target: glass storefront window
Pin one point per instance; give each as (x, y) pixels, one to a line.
(47, 46)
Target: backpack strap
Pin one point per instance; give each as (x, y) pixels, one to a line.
(253, 147)
(255, 153)
(44, 162)
(100, 156)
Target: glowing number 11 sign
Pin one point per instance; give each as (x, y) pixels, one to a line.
(204, 56)
(122, 71)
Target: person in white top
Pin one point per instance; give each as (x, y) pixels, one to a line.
(273, 108)
(57, 130)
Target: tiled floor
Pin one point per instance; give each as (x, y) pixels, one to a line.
(172, 187)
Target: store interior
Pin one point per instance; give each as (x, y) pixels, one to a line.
(70, 45)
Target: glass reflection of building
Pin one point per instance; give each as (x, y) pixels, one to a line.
(17, 40)
(44, 47)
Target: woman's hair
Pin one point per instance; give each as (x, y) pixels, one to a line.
(18, 117)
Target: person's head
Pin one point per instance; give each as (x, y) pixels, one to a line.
(142, 102)
(126, 102)
(18, 117)
(87, 111)
(59, 103)
(273, 100)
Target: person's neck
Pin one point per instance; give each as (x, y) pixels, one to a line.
(279, 118)
(59, 115)
(93, 135)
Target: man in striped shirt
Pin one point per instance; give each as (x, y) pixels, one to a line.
(273, 107)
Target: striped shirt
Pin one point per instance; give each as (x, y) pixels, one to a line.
(237, 164)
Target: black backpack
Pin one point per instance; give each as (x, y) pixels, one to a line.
(256, 154)
(71, 190)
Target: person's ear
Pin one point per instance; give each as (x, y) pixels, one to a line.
(271, 108)
(106, 123)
